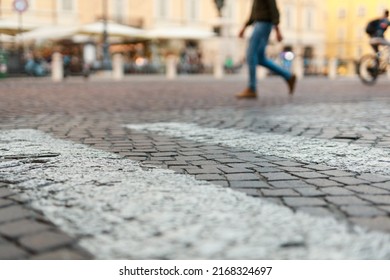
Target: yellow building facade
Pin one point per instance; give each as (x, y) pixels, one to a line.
(302, 21)
(346, 20)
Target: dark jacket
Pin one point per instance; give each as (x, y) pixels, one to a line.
(264, 10)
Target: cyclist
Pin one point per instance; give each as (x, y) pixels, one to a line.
(376, 30)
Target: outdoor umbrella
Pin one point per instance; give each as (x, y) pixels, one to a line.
(12, 27)
(179, 32)
(113, 29)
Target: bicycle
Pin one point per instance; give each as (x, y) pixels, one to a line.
(373, 65)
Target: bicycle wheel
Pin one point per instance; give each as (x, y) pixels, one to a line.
(368, 69)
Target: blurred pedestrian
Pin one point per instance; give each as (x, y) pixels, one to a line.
(376, 30)
(264, 16)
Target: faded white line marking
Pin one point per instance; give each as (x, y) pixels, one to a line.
(121, 211)
(344, 156)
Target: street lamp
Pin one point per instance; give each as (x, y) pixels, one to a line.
(106, 52)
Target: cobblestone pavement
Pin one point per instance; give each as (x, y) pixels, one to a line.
(324, 152)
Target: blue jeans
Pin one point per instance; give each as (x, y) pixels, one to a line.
(256, 53)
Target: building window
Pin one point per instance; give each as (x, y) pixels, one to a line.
(162, 9)
(192, 8)
(309, 18)
(361, 11)
(289, 17)
(342, 13)
(119, 8)
(67, 5)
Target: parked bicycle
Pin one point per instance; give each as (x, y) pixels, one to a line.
(373, 65)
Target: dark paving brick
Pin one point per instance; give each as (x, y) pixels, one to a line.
(346, 200)
(366, 189)
(279, 192)
(337, 191)
(242, 177)
(279, 176)
(377, 199)
(12, 252)
(13, 213)
(45, 241)
(304, 201)
(348, 180)
(289, 184)
(22, 227)
(362, 211)
(249, 184)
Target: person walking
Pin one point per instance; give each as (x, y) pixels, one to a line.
(264, 16)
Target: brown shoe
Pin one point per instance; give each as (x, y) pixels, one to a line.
(291, 84)
(247, 93)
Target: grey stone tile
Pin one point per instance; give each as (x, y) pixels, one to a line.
(367, 189)
(337, 191)
(311, 191)
(294, 184)
(346, 200)
(315, 211)
(249, 184)
(337, 173)
(62, 254)
(278, 176)
(309, 175)
(13, 213)
(22, 227)
(377, 199)
(279, 192)
(373, 178)
(11, 252)
(304, 201)
(242, 177)
(323, 183)
(362, 211)
(45, 240)
(378, 223)
(349, 180)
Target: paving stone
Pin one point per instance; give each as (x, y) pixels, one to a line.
(210, 177)
(316, 211)
(337, 173)
(249, 184)
(287, 163)
(294, 169)
(242, 165)
(248, 191)
(45, 240)
(188, 158)
(385, 208)
(5, 202)
(278, 176)
(385, 185)
(310, 175)
(11, 252)
(377, 199)
(222, 183)
(13, 213)
(346, 200)
(348, 180)
(22, 227)
(311, 191)
(4, 192)
(337, 191)
(378, 223)
(319, 167)
(242, 177)
(62, 254)
(279, 192)
(228, 169)
(366, 189)
(266, 169)
(304, 201)
(362, 211)
(373, 178)
(323, 183)
(294, 184)
(197, 171)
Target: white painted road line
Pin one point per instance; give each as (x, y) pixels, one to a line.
(336, 154)
(121, 211)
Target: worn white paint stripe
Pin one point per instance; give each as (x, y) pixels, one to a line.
(341, 155)
(122, 211)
